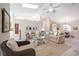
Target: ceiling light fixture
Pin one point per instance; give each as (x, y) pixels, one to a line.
(50, 9)
(29, 5)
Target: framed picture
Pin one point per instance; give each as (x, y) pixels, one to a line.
(36, 28)
(5, 21)
(16, 28)
(30, 28)
(33, 28)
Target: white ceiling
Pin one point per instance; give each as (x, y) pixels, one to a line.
(65, 13)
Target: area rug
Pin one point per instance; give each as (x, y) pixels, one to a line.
(51, 49)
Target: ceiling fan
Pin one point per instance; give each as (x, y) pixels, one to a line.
(52, 7)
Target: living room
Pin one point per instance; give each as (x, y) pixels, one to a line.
(39, 29)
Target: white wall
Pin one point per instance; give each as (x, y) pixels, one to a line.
(26, 23)
(3, 36)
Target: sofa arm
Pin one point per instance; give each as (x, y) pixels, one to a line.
(9, 52)
(26, 52)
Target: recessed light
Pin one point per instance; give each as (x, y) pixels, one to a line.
(29, 5)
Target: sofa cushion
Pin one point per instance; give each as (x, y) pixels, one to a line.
(21, 43)
(12, 44)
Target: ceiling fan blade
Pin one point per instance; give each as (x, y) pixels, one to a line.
(54, 11)
(57, 6)
(50, 4)
(73, 3)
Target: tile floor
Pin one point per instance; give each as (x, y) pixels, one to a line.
(69, 52)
